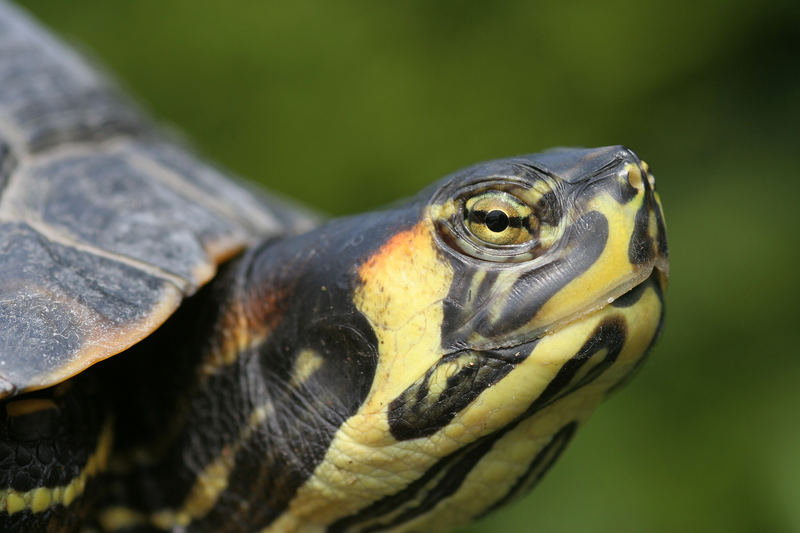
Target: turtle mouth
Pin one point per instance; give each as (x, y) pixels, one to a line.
(657, 277)
(623, 295)
(623, 292)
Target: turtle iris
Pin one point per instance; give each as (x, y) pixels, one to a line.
(498, 218)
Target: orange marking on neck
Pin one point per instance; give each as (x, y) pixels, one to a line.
(399, 251)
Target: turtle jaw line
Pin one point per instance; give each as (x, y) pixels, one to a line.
(597, 307)
(618, 292)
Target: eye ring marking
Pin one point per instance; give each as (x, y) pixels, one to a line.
(540, 227)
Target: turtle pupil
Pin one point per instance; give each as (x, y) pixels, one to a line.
(496, 220)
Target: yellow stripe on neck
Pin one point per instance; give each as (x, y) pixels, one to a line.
(212, 481)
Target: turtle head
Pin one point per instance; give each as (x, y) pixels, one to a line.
(486, 318)
(507, 258)
(538, 241)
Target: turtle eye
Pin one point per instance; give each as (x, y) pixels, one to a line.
(498, 218)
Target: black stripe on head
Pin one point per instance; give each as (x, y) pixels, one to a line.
(662, 234)
(418, 412)
(484, 288)
(446, 477)
(640, 247)
(462, 300)
(548, 209)
(652, 281)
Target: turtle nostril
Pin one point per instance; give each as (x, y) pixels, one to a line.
(633, 174)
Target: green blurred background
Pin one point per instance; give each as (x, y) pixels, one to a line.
(348, 105)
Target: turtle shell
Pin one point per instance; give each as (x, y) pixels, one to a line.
(105, 225)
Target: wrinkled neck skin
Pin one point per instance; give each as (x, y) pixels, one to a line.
(289, 360)
(372, 376)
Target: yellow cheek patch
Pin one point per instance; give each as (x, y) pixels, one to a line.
(402, 289)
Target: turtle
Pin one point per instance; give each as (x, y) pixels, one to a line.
(182, 352)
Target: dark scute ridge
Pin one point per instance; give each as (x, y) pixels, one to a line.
(105, 201)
